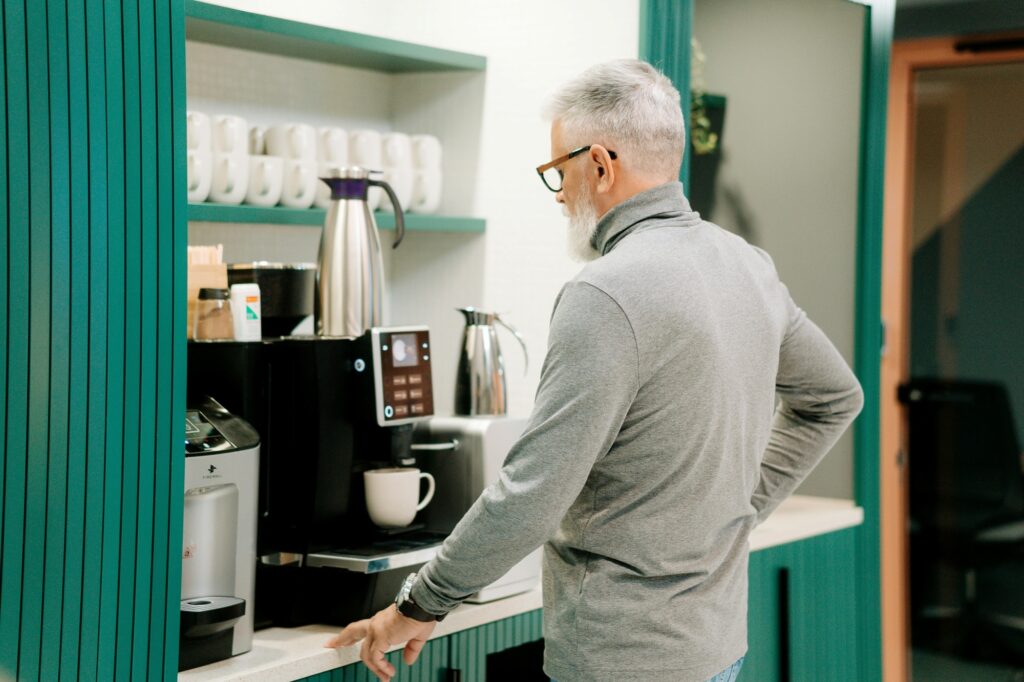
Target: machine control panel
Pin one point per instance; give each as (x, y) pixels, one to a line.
(404, 381)
(201, 436)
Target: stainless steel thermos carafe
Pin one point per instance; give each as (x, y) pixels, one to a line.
(350, 272)
(480, 387)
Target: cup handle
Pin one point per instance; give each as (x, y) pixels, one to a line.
(193, 173)
(227, 128)
(264, 177)
(228, 175)
(430, 490)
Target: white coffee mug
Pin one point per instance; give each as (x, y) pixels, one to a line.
(393, 495)
(364, 149)
(266, 180)
(426, 151)
(396, 150)
(401, 180)
(426, 193)
(200, 174)
(323, 192)
(230, 135)
(230, 178)
(300, 180)
(332, 146)
(292, 141)
(258, 140)
(198, 131)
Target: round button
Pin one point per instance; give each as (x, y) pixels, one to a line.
(360, 365)
(389, 412)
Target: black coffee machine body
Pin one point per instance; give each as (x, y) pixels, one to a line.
(327, 409)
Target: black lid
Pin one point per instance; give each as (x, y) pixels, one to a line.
(214, 294)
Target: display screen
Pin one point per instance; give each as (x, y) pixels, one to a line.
(403, 350)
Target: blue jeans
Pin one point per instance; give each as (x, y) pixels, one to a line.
(730, 674)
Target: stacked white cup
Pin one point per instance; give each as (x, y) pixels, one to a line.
(396, 154)
(364, 151)
(295, 143)
(426, 158)
(200, 156)
(230, 159)
(266, 173)
(332, 152)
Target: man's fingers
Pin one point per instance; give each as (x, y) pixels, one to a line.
(372, 655)
(350, 635)
(412, 650)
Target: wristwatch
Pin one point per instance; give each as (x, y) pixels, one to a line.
(407, 607)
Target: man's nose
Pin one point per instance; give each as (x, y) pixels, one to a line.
(560, 197)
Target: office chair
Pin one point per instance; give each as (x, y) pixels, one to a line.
(966, 518)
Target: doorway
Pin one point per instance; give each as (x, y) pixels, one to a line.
(952, 263)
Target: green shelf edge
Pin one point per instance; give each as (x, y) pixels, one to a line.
(282, 215)
(217, 25)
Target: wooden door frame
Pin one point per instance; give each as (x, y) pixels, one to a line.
(908, 56)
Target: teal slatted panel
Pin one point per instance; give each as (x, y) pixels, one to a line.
(665, 29)
(3, 294)
(15, 446)
(97, 414)
(38, 300)
(470, 648)
(170, 54)
(150, 253)
(428, 667)
(113, 482)
(78, 193)
(824, 606)
(60, 315)
(133, 282)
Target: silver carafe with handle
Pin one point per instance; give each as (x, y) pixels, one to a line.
(480, 387)
(350, 272)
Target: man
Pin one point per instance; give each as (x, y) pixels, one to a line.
(655, 444)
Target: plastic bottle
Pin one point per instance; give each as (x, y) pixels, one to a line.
(245, 307)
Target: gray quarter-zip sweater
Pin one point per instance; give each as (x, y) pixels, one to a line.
(654, 447)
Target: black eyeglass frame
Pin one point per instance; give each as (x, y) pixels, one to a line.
(562, 159)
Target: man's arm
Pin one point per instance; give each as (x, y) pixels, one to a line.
(589, 381)
(819, 398)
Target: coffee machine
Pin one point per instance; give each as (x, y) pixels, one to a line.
(218, 559)
(465, 455)
(327, 409)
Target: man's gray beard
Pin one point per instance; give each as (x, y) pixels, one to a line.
(581, 227)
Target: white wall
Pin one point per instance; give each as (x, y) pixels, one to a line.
(519, 264)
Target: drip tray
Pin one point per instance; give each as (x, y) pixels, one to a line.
(401, 551)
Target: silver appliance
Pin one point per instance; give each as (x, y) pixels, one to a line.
(218, 557)
(350, 273)
(480, 387)
(468, 456)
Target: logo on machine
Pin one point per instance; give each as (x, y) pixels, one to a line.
(211, 472)
(212, 469)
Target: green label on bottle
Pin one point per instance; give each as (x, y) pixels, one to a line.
(250, 314)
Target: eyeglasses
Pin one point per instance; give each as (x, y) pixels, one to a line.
(551, 175)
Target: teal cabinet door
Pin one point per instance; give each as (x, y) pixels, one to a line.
(802, 611)
(823, 635)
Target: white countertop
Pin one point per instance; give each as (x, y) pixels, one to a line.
(294, 653)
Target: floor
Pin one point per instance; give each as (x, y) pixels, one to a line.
(932, 667)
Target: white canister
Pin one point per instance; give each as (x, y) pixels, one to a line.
(245, 307)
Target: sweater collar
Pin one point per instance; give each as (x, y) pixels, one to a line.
(663, 201)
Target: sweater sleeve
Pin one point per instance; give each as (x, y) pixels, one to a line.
(588, 382)
(819, 397)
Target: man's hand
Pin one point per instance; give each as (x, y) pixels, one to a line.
(385, 629)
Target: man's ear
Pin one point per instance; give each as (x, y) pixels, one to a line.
(603, 167)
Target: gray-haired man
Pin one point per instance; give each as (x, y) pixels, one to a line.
(655, 444)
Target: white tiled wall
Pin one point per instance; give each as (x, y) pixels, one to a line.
(493, 134)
